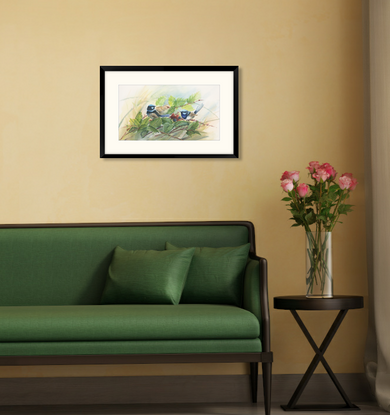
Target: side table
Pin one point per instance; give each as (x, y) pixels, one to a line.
(343, 303)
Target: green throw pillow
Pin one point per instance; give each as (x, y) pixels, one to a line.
(146, 277)
(215, 275)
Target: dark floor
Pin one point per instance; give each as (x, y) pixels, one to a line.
(172, 409)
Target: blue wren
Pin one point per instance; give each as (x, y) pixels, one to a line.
(154, 112)
(188, 115)
(162, 109)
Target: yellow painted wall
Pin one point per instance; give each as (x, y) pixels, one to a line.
(300, 100)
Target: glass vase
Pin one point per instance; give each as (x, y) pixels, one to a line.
(319, 281)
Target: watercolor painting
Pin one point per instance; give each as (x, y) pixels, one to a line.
(168, 112)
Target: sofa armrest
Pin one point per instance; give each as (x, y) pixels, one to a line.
(256, 296)
(251, 300)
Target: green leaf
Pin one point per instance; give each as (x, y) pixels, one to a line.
(310, 218)
(168, 127)
(181, 124)
(286, 199)
(188, 107)
(194, 97)
(192, 132)
(154, 130)
(138, 117)
(160, 101)
(296, 219)
(171, 110)
(171, 100)
(180, 102)
(193, 126)
(143, 132)
(344, 209)
(156, 123)
(144, 122)
(133, 130)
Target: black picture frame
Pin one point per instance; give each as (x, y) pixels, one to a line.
(218, 133)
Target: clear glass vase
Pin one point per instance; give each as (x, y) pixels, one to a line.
(319, 281)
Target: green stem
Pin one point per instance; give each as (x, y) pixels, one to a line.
(318, 254)
(319, 211)
(292, 194)
(336, 212)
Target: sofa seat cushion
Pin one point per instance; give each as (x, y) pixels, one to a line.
(126, 322)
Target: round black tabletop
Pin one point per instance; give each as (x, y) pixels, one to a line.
(300, 302)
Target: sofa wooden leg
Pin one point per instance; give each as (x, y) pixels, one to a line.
(254, 377)
(267, 380)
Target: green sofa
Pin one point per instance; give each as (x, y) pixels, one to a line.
(52, 307)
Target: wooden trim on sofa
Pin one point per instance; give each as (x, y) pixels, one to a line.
(135, 359)
(264, 304)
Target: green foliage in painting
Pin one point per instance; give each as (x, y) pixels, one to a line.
(173, 126)
(160, 101)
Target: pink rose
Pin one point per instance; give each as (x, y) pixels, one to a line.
(347, 181)
(313, 165)
(285, 175)
(321, 175)
(329, 169)
(302, 189)
(287, 185)
(292, 175)
(353, 184)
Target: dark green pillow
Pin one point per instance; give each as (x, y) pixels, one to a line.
(146, 277)
(215, 276)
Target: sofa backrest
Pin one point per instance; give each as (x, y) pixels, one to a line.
(68, 264)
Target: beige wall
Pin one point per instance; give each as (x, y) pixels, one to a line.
(300, 100)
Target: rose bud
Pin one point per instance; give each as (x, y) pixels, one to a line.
(287, 185)
(292, 175)
(330, 170)
(302, 189)
(313, 165)
(352, 184)
(321, 174)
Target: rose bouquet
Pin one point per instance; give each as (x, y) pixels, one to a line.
(317, 207)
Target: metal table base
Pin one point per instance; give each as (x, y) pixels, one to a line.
(319, 356)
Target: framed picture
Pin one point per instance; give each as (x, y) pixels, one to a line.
(169, 111)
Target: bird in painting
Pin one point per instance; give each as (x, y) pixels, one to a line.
(185, 114)
(154, 112)
(162, 109)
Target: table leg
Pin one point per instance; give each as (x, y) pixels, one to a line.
(319, 357)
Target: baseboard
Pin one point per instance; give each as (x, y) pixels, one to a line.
(174, 389)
